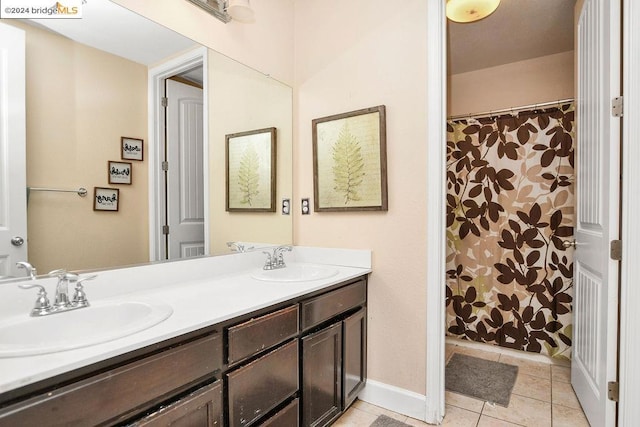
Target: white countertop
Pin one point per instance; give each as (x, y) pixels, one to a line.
(202, 292)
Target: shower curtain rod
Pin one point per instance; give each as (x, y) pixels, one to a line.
(491, 113)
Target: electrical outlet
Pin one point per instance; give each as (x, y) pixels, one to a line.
(306, 208)
(286, 206)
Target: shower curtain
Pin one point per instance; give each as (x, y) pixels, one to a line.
(510, 198)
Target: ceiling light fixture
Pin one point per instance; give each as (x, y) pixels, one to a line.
(227, 10)
(464, 11)
(240, 10)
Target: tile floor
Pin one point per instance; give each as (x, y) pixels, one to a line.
(542, 396)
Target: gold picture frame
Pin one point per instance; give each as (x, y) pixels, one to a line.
(350, 161)
(251, 171)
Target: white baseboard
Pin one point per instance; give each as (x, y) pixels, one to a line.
(395, 399)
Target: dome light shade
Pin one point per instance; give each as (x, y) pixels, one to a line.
(470, 10)
(240, 10)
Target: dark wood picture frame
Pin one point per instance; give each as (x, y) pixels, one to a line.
(250, 171)
(350, 161)
(120, 172)
(131, 148)
(106, 199)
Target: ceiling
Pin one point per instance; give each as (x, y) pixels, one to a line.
(102, 20)
(517, 30)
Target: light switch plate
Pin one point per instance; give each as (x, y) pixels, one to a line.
(305, 206)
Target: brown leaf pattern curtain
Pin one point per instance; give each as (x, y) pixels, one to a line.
(510, 204)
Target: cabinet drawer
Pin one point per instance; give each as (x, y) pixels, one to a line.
(202, 408)
(326, 306)
(263, 384)
(124, 390)
(286, 417)
(252, 336)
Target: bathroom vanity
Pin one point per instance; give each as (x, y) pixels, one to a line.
(293, 354)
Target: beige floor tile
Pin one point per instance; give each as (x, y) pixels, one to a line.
(568, 417)
(494, 422)
(563, 394)
(560, 373)
(458, 417)
(416, 423)
(522, 410)
(376, 410)
(462, 401)
(533, 387)
(354, 417)
(448, 351)
(528, 367)
(470, 351)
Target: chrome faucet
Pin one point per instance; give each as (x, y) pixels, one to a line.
(62, 302)
(236, 246)
(275, 259)
(239, 247)
(31, 270)
(62, 288)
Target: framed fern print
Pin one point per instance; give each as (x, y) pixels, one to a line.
(251, 171)
(350, 161)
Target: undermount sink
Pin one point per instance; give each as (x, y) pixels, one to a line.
(295, 273)
(22, 335)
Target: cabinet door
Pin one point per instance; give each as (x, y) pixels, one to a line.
(322, 376)
(354, 361)
(202, 408)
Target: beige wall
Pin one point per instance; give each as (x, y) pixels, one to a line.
(548, 78)
(80, 101)
(366, 55)
(266, 44)
(242, 99)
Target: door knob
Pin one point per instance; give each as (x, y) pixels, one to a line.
(569, 243)
(17, 241)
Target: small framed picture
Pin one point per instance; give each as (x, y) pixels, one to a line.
(106, 199)
(132, 148)
(251, 171)
(350, 161)
(119, 172)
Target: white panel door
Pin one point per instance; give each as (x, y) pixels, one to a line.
(594, 357)
(13, 188)
(185, 178)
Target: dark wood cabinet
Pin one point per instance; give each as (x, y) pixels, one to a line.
(299, 362)
(334, 362)
(354, 359)
(289, 416)
(322, 376)
(260, 386)
(119, 393)
(201, 408)
(258, 334)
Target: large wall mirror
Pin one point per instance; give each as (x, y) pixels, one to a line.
(88, 85)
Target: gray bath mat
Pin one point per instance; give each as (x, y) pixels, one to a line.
(384, 421)
(480, 378)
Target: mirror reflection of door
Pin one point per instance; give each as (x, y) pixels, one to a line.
(13, 216)
(184, 178)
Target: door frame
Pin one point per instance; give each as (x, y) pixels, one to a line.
(629, 343)
(629, 347)
(157, 76)
(436, 196)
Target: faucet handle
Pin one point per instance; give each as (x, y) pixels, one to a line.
(42, 305)
(268, 264)
(79, 297)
